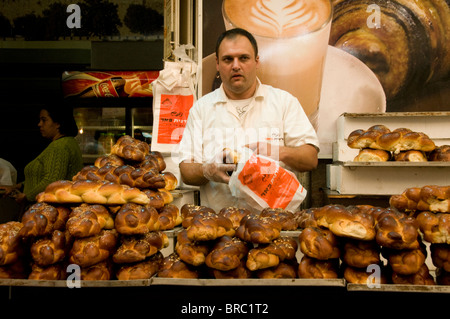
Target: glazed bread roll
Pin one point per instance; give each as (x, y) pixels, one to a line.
(156, 198)
(91, 192)
(396, 230)
(170, 180)
(191, 252)
(319, 243)
(434, 227)
(234, 214)
(440, 255)
(422, 277)
(257, 229)
(50, 250)
(436, 198)
(227, 253)
(318, 269)
(169, 217)
(205, 225)
(173, 267)
(139, 247)
(284, 217)
(10, 241)
(346, 221)
(380, 137)
(88, 220)
(141, 270)
(42, 219)
(99, 271)
(441, 153)
(410, 156)
(371, 155)
(407, 201)
(188, 211)
(88, 251)
(134, 219)
(269, 255)
(360, 254)
(130, 149)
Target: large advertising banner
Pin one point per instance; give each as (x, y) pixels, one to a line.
(359, 56)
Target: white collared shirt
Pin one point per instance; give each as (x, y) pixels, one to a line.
(273, 116)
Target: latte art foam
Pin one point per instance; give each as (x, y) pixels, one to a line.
(278, 18)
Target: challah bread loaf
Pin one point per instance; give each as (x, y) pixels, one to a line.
(264, 256)
(50, 250)
(166, 195)
(406, 261)
(240, 272)
(257, 229)
(234, 214)
(227, 253)
(16, 270)
(284, 217)
(205, 225)
(188, 211)
(437, 198)
(88, 220)
(422, 277)
(191, 252)
(318, 243)
(440, 256)
(111, 159)
(285, 269)
(361, 276)
(371, 155)
(130, 149)
(135, 219)
(305, 218)
(137, 248)
(401, 139)
(411, 156)
(407, 201)
(153, 160)
(319, 269)
(51, 272)
(170, 181)
(100, 271)
(156, 198)
(42, 219)
(125, 174)
(173, 267)
(440, 153)
(88, 251)
(360, 254)
(288, 245)
(396, 230)
(10, 241)
(346, 221)
(169, 217)
(91, 192)
(141, 270)
(434, 227)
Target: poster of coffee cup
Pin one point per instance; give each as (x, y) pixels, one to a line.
(292, 39)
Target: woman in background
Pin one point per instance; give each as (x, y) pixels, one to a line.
(60, 160)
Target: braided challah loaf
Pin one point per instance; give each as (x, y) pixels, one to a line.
(130, 149)
(427, 198)
(257, 229)
(227, 253)
(9, 242)
(191, 252)
(139, 247)
(92, 192)
(134, 219)
(319, 243)
(42, 219)
(88, 220)
(381, 138)
(141, 270)
(440, 153)
(50, 250)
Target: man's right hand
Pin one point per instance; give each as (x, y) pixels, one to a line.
(215, 170)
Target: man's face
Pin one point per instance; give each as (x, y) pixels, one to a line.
(237, 66)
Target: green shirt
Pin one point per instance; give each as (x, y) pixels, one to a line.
(61, 160)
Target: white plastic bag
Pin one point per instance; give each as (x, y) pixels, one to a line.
(262, 183)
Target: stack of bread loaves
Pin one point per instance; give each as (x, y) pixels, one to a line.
(232, 243)
(379, 144)
(108, 220)
(431, 207)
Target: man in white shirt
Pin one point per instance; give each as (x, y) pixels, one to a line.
(242, 112)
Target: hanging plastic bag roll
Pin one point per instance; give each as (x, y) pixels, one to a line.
(262, 182)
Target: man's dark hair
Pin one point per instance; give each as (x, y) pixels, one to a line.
(233, 33)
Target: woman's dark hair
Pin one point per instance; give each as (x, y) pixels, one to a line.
(233, 33)
(62, 114)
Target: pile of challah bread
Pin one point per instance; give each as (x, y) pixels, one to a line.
(379, 144)
(110, 221)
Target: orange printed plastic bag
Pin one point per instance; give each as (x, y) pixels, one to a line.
(262, 182)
